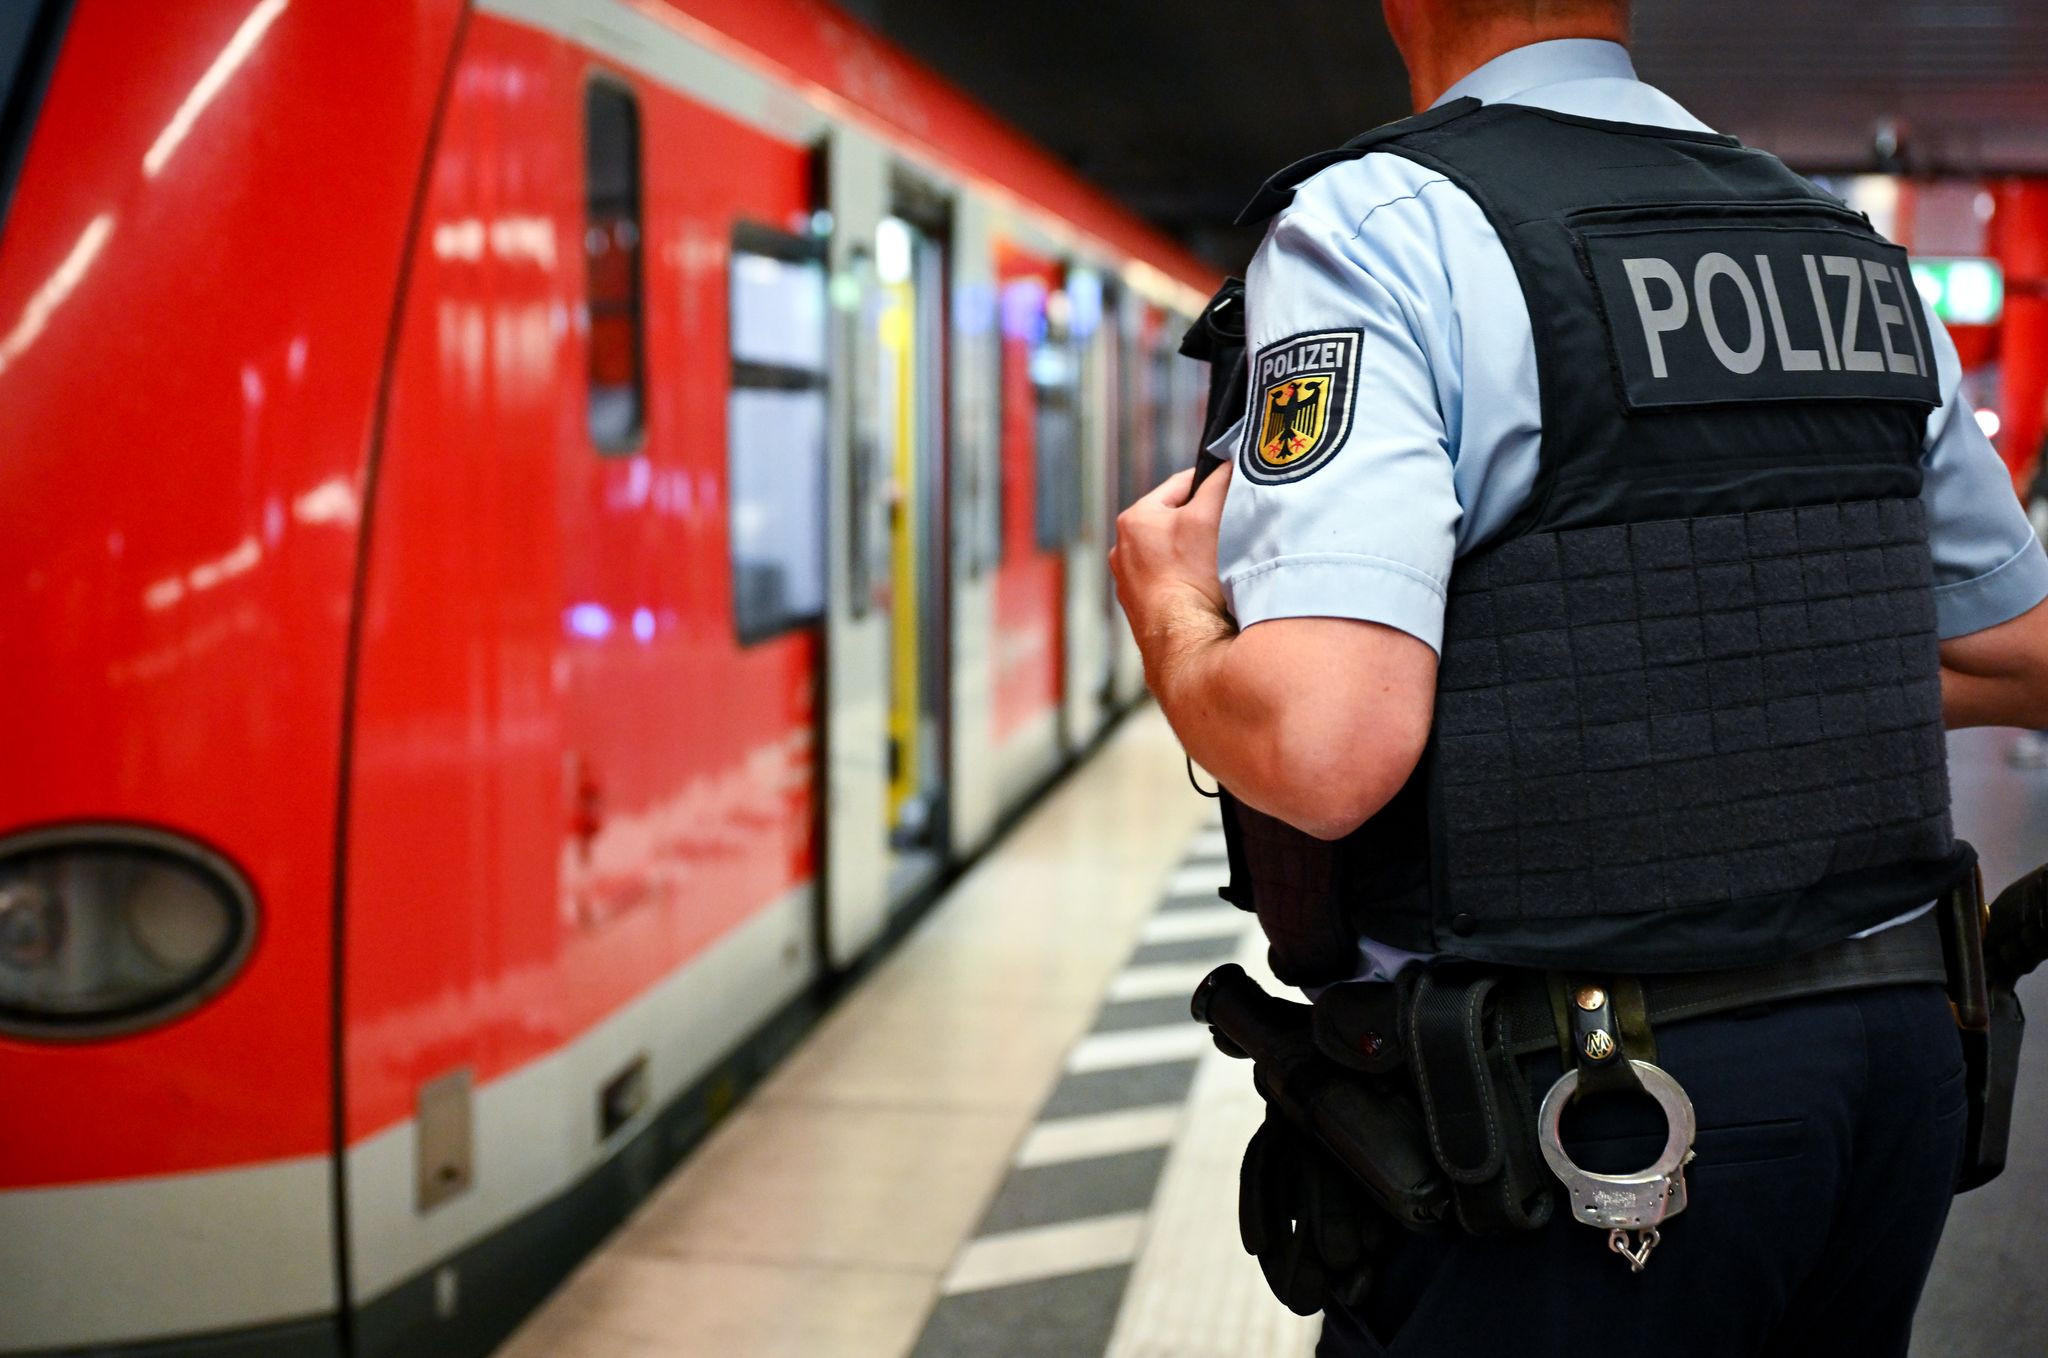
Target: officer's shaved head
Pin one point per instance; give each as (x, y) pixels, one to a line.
(1532, 10)
(1443, 40)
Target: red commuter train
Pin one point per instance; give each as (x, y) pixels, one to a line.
(535, 527)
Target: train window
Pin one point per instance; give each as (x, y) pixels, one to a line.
(1056, 433)
(611, 243)
(776, 419)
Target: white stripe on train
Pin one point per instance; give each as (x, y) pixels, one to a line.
(267, 1231)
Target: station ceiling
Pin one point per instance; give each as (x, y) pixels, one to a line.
(1181, 107)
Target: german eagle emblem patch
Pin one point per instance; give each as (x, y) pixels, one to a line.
(1302, 391)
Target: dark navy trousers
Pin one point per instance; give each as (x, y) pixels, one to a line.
(1830, 1130)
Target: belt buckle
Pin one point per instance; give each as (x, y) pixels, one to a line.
(1624, 1205)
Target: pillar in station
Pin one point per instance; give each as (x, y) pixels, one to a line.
(2019, 240)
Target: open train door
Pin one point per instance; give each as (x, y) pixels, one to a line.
(911, 324)
(855, 899)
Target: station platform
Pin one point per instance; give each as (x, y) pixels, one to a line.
(1010, 1141)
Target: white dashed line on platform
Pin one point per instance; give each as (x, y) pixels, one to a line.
(1157, 980)
(1045, 1252)
(1080, 1138)
(1138, 1047)
(1172, 926)
(1198, 878)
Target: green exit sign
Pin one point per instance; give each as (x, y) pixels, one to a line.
(1962, 291)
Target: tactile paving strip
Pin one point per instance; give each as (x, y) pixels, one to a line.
(1051, 1268)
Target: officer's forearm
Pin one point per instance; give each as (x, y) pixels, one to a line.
(1993, 700)
(1184, 643)
(1317, 721)
(1998, 676)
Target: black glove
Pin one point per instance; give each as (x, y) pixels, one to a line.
(1318, 1236)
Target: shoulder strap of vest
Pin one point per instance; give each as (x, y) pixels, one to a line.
(1277, 192)
(1217, 339)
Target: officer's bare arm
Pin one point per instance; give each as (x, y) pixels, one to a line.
(1318, 721)
(1999, 676)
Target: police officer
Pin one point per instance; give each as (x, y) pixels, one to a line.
(1604, 548)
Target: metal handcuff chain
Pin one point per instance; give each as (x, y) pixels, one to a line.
(1629, 1207)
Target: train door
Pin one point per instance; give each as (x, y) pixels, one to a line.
(858, 634)
(1088, 434)
(910, 346)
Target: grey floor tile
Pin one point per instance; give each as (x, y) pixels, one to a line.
(1101, 1091)
(1156, 1013)
(1067, 1317)
(1078, 1188)
(1185, 950)
(1192, 900)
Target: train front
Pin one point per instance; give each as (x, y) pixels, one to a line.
(182, 461)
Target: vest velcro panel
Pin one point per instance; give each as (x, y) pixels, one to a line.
(1653, 718)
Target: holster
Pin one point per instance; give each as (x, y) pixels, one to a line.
(1409, 1087)
(1386, 1105)
(1991, 1061)
(1349, 1106)
(1988, 951)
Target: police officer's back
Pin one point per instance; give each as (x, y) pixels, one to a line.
(1606, 548)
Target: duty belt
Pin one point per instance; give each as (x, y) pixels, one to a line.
(1901, 955)
(1416, 1088)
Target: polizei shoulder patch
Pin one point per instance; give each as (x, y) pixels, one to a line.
(1303, 391)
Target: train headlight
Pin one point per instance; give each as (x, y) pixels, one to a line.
(109, 930)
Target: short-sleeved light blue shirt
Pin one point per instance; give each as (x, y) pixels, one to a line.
(1442, 449)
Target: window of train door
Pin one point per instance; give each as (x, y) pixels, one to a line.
(617, 399)
(776, 432)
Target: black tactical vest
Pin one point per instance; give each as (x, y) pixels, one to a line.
(1689, 706)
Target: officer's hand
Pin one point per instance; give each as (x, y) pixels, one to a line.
(1165, 550)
